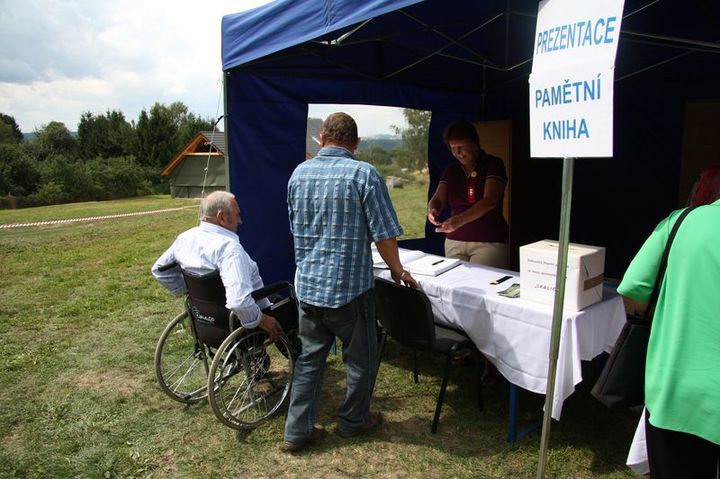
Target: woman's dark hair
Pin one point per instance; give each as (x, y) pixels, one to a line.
(706, 188)
(461, 130)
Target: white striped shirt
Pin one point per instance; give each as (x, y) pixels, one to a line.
(210, 247)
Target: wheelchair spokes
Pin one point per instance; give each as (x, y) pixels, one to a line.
(204, 353)
(251, 380)
(181, 363)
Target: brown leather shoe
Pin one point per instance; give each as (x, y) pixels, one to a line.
(374, 421)
(318, 433)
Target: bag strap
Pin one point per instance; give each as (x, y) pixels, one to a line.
(663, 264)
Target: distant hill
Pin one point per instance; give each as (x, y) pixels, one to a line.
(312, 139)
(31, 136)
(388, 142)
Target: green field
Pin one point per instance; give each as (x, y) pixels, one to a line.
(79, 318)
(411, 206)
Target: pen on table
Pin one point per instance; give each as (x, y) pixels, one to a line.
(500, 280)
(438, 262)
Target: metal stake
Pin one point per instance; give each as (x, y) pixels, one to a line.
(568, 164)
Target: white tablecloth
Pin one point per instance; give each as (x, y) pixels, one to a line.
(637, 456)
(515, 334)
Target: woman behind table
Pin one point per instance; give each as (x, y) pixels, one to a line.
(476, 230)
(682, 376)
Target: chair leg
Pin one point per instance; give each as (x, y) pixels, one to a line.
(382, 339)
(441, 396)
(512, 419)
(381, 351)
(479, 369)
(415, 370)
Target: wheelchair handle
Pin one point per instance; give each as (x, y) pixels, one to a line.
(168, 266)
(269, 289)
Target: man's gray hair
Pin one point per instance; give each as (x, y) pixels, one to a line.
(214, 203)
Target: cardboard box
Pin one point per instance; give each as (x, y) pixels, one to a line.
(584, 280)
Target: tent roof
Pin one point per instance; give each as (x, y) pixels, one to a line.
(281, 24)
(459, 59)
(484, 43)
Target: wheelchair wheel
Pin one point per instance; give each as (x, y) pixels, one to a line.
(181, 362)
(250, 378)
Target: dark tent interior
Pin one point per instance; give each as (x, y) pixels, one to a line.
(467, 59)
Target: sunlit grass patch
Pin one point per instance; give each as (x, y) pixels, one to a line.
(79, 319)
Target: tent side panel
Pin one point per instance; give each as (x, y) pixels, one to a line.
(267, 127)
(267, 140)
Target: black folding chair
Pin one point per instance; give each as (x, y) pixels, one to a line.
(406, 314)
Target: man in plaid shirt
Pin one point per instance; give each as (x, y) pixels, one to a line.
(338, 206)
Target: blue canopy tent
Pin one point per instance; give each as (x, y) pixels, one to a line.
(469, 59)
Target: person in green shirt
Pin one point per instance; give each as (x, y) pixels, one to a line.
(682, 378)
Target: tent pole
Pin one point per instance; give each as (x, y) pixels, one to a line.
(226, 128)
(567, 180)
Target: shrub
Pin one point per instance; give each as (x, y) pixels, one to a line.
(118, 177)
(70, 179)
(18, 172)
(70, 175)
(49, 193)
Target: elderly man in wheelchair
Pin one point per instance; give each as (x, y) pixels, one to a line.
(236, 341)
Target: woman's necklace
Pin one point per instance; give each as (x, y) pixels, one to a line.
(471, 193)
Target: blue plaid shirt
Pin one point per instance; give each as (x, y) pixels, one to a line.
(337, 207)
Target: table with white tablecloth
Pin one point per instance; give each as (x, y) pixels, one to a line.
(514, 334)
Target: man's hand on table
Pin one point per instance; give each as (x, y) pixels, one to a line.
(404, 277)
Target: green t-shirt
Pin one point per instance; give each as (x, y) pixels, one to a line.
(682, 379)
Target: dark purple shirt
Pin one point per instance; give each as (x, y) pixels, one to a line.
(491, 227)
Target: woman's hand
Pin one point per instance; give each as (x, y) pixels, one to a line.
(436, 204)
(449, 225)
(432, 215)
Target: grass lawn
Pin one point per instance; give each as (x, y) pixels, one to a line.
(79, 318)
(410, 203)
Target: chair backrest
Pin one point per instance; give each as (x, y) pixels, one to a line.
(406, 314)
(206, 304)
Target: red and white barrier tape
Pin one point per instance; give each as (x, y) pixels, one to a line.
(90, 218)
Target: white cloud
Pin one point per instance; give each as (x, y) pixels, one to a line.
(60, 58)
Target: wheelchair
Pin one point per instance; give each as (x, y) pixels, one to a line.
(205, 353)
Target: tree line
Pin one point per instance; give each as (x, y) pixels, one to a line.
(109, 157)
(410, 156)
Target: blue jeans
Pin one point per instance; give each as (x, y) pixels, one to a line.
(355, 325)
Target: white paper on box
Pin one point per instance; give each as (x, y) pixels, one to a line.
(583, 283)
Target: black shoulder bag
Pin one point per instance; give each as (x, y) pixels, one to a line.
(622, 380)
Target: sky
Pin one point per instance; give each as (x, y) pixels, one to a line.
(61, 58)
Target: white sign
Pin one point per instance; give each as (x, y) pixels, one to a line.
(571, 84)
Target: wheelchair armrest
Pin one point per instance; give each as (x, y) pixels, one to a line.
(266, 291)
(168, 266)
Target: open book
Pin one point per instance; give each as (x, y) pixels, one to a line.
(418, 262)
